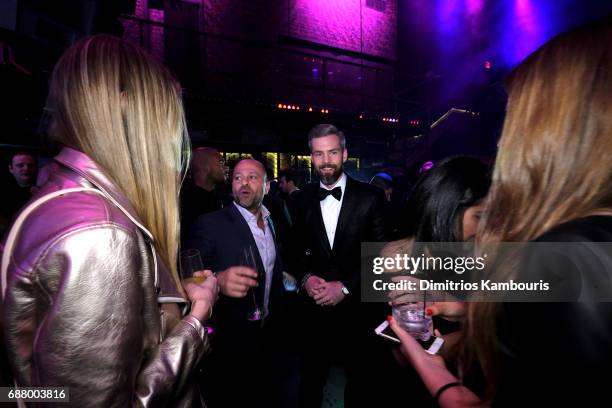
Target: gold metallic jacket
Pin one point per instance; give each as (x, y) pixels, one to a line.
(90, 306)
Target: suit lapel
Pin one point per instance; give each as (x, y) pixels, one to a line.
(317, 219)
(349, 205)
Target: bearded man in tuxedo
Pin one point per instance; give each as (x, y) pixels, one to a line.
(336, 215)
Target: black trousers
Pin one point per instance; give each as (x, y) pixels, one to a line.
(244, 371)
(343, 335)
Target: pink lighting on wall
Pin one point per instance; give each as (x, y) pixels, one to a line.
(346, 24)
(157, 34)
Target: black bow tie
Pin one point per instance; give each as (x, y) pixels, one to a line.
(335, 192)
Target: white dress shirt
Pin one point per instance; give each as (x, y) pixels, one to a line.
(330, 209)
(265, 245)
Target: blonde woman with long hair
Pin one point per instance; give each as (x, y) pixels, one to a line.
(92, 296)
(552, 182)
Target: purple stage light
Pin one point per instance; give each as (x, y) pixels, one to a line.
(426, 167)
(528, 29)
(474, 7)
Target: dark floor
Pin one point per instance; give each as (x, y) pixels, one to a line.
(333, 394)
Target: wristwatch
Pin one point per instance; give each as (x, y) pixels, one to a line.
(345, 290)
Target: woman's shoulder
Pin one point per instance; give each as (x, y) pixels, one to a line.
(595, 228)
(75, 211)
(575, 258)
(73, 217)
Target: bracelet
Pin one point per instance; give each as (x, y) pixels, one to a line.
(210, 310)
(444, 388)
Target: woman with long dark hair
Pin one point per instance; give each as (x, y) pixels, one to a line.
(447, 201)
(445, 207)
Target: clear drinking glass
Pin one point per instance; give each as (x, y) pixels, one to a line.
(191, 262)
(248, 260)
(411, 317)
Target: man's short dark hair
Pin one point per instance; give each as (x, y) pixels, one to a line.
(325, 129)
(289, 175)
(14, 153)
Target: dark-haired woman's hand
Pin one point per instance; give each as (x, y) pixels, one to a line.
(413, 351)
(433, 371)
(451, 311)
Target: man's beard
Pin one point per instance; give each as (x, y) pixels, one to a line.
(330, 179)
(252, 202)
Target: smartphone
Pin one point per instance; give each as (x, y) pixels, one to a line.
(431, 346)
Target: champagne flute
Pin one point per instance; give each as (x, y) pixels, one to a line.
(248, 258)
(191, 262)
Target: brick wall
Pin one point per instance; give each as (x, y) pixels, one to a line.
(156, 39)
(246, 60)
(150, 37)
(246, 19)
(350, 25)
(380, 29)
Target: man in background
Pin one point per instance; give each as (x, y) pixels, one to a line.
(289, 185)
(203, 193)
(392, 216)
(23, 168)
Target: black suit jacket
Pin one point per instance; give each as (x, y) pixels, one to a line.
(360, 220)
(221, 237)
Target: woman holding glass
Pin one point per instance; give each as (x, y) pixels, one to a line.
(92, 296)
(552, 183)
